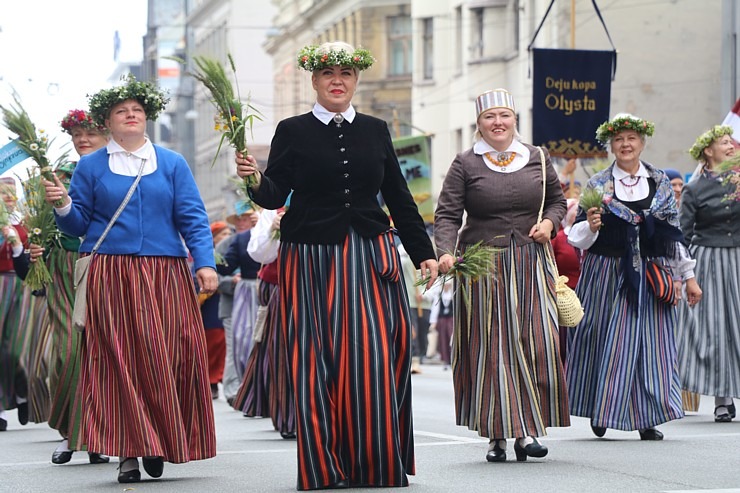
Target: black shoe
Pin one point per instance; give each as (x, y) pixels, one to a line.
(154, 466)
(599, 431)
(722, 414)
(3, 424)
(288, 435)
(23, 413)
(496, 454)
(97, 458)
(214, 391)
(731, 410)
(651, 434)
(534, 449)
(339, 485)
(61, 457)
(133, 476)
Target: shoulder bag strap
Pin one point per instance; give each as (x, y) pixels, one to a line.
(120, 208)
(550, 260)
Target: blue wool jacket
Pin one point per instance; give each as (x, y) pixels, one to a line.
(165, 206)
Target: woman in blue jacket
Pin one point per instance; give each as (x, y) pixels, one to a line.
(144, 375)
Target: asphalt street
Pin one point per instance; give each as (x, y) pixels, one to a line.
(696, 455)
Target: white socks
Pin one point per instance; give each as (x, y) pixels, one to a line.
(20, 400)
(63, 447)
(722, 401)
(523, 442)
(492, 443)
(128, 464)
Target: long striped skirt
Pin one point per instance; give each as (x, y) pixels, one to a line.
(507, 373)
(344, 310)
(37, 355)
(621, 369)
(144, 373)
(13, 381)
(243, 317)
(66, 413)
(266, 389)
(709, 332)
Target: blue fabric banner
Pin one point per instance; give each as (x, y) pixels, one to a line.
(571, 94)
(10, 155)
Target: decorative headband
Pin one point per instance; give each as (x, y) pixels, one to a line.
(619, 123)
(310, 58)
(147, 94)
(79, 118)
(706, 139)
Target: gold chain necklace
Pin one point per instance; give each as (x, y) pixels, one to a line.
(502, 160)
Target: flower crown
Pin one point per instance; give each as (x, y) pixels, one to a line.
(310, 58)
(150, 96)
(610, 128)
(706, 139)
(78, 118)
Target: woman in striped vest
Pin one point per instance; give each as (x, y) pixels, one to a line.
(344, 307)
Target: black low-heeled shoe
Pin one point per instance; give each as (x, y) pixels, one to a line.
(496, 454)
(731, 410)
(23, 413)
(651, 434)
(288, 435)
(154, 466)
(61, 456)
(599, 431)
(534, 449)
(3, 424)
(340, 485)
(132, 476)
(722, 416)
(97, 458)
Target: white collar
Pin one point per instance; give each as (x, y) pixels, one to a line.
(325, 116)
(481, 147)
(618, 173)
(143, 152)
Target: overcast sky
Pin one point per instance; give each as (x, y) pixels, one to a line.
(54, 52)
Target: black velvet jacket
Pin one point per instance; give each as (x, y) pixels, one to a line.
(336, 172)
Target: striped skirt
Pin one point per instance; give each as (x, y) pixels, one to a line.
(344, 310)
(144, 373)
(65, 368)
(13, 381)
(252, 397)
(36, 356)
(266, 389)
(243, 317)
(709, 332)
(507, 373)
(621, 369)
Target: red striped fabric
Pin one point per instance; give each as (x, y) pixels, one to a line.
(144, 375)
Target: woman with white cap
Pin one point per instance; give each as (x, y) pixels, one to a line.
(508, 377)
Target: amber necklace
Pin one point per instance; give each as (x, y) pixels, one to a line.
(502, 159)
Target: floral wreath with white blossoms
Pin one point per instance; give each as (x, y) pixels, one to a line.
(610, 128)
(706, 139)
(310, 58)
(147, 94)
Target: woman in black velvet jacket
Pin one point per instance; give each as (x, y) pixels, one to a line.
(344, 306)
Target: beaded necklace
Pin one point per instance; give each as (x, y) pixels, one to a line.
(502, 160)
(629, 186)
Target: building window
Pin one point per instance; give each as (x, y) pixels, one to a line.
(427, 47)
(494, 30)
(457, 141)
(399, 45)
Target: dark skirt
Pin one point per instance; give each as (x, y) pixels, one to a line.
(344, 310)
(144, 375)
